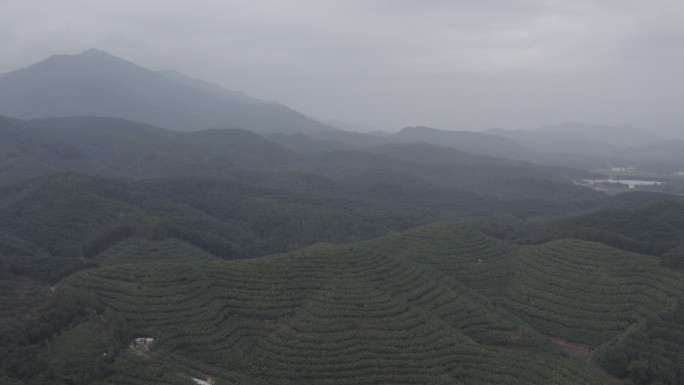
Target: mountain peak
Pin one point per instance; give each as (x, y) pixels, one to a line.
(91, 61)
(96, 83)
(91, 53)
(94, 52)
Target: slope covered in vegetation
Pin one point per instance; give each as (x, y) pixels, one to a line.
(209, 243)
(442, 303)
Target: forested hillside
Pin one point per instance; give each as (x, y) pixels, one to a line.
(656, 229)
(416, 174)
(243, 259)
(440, 304)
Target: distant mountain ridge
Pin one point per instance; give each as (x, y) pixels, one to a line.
(352, 126)
(95, 83)
(125, 150)
(592, 146)
(621, 136)
(473, 142)
(557, 142)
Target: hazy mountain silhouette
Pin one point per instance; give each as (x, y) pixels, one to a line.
(471, 142)
(557, 142)
(351, 126)
(667, 155)
(620, 136)
(95, 83)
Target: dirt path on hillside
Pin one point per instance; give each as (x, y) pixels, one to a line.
(583, 352)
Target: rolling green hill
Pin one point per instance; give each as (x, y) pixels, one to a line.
(578, 290)
(443, 303)
(655, 229)
(75, 216)
(210, 243)
(324, 315)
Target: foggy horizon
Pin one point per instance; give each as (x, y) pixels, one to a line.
(464, 66)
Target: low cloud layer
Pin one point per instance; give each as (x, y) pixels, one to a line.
(391, 63)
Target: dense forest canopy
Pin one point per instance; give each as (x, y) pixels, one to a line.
(176, 238)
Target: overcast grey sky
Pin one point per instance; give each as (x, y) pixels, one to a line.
(391, 63)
